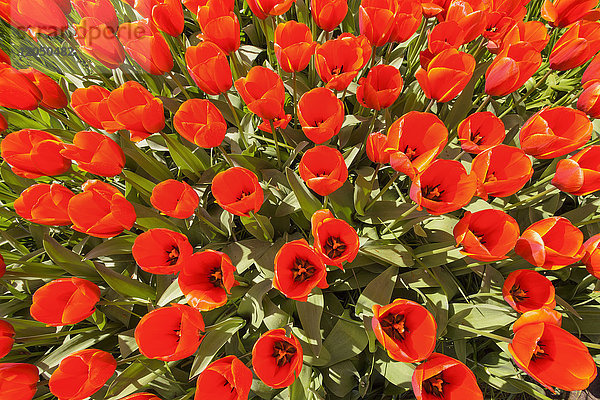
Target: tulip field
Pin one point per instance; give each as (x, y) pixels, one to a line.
(299, 199)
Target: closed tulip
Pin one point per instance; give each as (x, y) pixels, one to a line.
(36, 16)
(511, 69)
(554, 132)
(563, 13)
(225, 378)
(471, 17)
(82, 374)
(405, 329)
(263, 8)
(52, 94)
(137, 110)
(407, 20)
(580, 174)
(161, 251)
(443, 36)
(220, 26)
(486, 235)
(200, 122)
(591, 255)
(18, 381)
(100, 210)
(480, 131)
(91, 105)
(576, 46)
(328, 14)
(144, 43)
(102, 10)
(376, 148)
(376, 19)
(526, 290)
(323, 169)
(7, 338)
(167, 15)
(17, 90)
(380, 88)
(335, 240)
(175, 198)
(32, 153)
(532, 32)
(3, 123)
(592, 71)
(321, 114)
(293, 46)
(65, 301)
(98, 41)
(45, 204)
(208, 66)
(206, 279)
(95, 153)
(263, 92)
(551, 243)
(588, 100)
(446, 75)
(277, 358)
(237, 190)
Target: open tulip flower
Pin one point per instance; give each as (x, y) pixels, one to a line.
(527, 290)
(323, 170)
(335, 240)
(225, 378)
(277, 358)
(480, 131)
(161, 251)
(321, 114)
(237, 190)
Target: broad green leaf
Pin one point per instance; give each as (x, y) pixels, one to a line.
(395, 372)
(310, 312)
(251, 305)
(259, 226)
(188, 163)
(340, 378)
(379, 291)
(125, 285)
(308, 202)
(67, 260)
(346, 340)
(136, 376)
(116, 245)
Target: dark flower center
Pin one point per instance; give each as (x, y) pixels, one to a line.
(216, 277)
(539, 352)
(491, 177)
(173, 255)
(302, 270)
(518, 294)
(435, 385)
(334, 247)
(283, 352)
(480, 237)
(433, 193)
(476, 138)
(394, 326)
(243, 195)
(337, 70)
(410, 153)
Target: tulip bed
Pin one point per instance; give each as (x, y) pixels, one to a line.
(278, 199)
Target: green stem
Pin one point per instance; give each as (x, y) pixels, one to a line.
(485, 103)
(431, 103)
(400, 219)
(276, 143)
(294, 78)
(531, 199)
(210, 224)
(62, 119)
(435, 251)
(185, 92)
(382, 191)
(237, 120)
(227, 158)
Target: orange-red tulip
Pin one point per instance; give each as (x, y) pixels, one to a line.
(206, 279)
(376, 148)
(298, 270)
(167, 15)
(237, 190)
(3, 123)
(588, 100)
(470, 15)
(443, 377)
(17, 90)
(209, 68)
(98, 41)
(335, 240)
(406, 330)
(102, 10)
(414, 141)
(137, 110)
(446, 75)
(321, 114)
(554, 132)
(551, 243)
(263, 92)
(576, 46)
(32, 153)
(443, 187)
(512, 68)
(263, 8)
(144, 43)
(170, 333)
(226, 378)
(380, 88)
(36, 16)
(18, 381)
(7, 335)
(175, 198)
(65, 301)
(580, 174)
(161, 251)
(95, 153)
(486, 235)
(45, 204)
(328, 14)
(407, 20)
(220, 25)
(200, 122)
(563, 13)
(545, 315)
(591, 255)
(443, 36)
(91, 105)
(82, 374)
(480, 131)
(52, 94)
(100, 210)
(526, 290)
(277, 358)
(293, 46)
(338, 60)
(592, 71)
(4, 58)
(376, 19)
(2, 266)
(323, 169)
(532, 32)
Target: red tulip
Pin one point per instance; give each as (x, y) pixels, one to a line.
(161, 251)
(98, 41)
(17, 90)
(376, 148)
(7, 335)
(443, 36)
(82, 374)
(167, 15)
(226, 378)
(293, 46)
(592, 71)
(511, 32)
(32, 153)
(263, 92)
(407, 20)
(206, 279)
(588, 100)
(263, 8)
(563, 13)
(100, 210)
(321, 114)
(237, 190)
(580, 174)
(175, 198)
(338, 60)
(323, 169)
(544, 315)
(3, 123)
(512, 68)
(443, 377)
(137, 110)
(380, 88)
(526, 290)
(443, 187)
(554, 132)
(414, 141)
(335, 240)
(551, 243)
(65, 301)
(446, 75)
(2, 266)
(36, 16)
(95, 153)
(18, 381)
(298, 270)
(220, 26)
(328, 14)
(91, 105)
(480, 131)
(486, 235)
(102, 10)
(376, 19)
(406, 330)
(45, 204)
(576, 46)
(52, 94)
(208, 66)
(4, 58)
(470, 15)
(170, 333)
(591, 255)
(200, 122)
(277, 358)
(146, 46)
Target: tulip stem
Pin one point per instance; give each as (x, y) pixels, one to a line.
(429, 105)
(325, 201)
(531, 199)
(62, 119)
(209, 223)
(294, 78)
(462, 153)
(226, 156)
(237, 120)
(484, 104)
(400, 219)
(383, 190)
(185, 93)
(528, 93)
(276, 143)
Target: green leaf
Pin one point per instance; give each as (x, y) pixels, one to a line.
(308, 202)
(189, 164)
(67, 260)
(379, 291)
(388, 253)
(251, 305)
(340, 378)
(397, 373)
(125, 285)
(147, 163)
(310, 312)
(259, 226)
(135, 377)
(113, 246)
(346, 340)
(142, 185)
